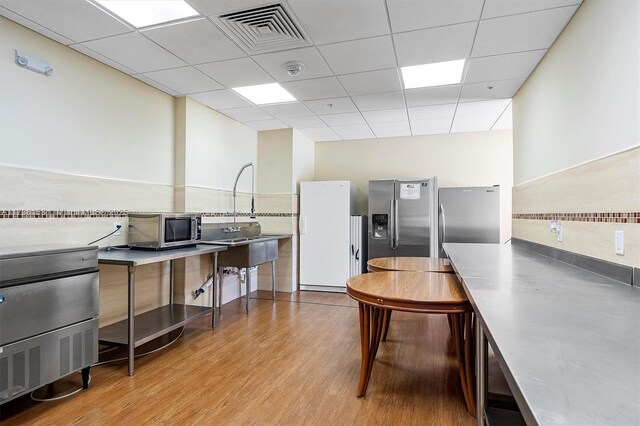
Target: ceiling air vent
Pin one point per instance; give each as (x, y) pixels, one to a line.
(264, 29)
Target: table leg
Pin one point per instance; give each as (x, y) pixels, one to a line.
(172, 283)
(481, 372)
(469, 341)
(248, 279)
(131, 344)
(220, 283)
(386, 320)
(371, 333)
(214, 291)
(461, 336)
(273, 280)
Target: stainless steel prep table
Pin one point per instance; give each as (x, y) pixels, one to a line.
(567, 340)
(137, 330)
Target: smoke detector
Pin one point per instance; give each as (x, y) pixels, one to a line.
(294, 68)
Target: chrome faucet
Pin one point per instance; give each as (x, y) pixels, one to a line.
(235, 213)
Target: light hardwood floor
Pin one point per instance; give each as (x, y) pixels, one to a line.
(292, 362)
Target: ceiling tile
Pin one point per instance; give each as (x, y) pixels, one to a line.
(434, 44)
(33, 26)
(317, 88)
(495, 8)
(219, 7)
(503, 67)
(220, 99)
(387, 130)
(432, 95)
(505, 122)
(318, 134)
(358, 131)
(77, 20)
(331, 106)
(288, 110)
(274, 62)
(113, 64)
(432, 112)
(343, 119)
(478, 116)
(136, 52)
(493, 107)
(360, 55)
(184, 80)
(385, 115)
(196, 41)
(408, 15)
(246, 114)
(303, 122)
(473, 123)
(266, 125)
(155, 84)
(236, 72)
(500, 90)
(432, 126)
(379, 101)
(331, 21)
(367, 83)
(516, 33)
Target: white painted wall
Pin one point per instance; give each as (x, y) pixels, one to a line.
(86, 119)
(582, 101)
(457, 159)
(216, 148)
(275, 151)
(303, 160)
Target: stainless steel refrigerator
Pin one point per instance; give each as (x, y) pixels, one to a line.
(403, 218)
(469, 215)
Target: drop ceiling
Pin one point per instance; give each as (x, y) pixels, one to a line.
(351, 85)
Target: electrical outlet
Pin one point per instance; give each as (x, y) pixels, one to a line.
(559, 232)
(116, 230)
(619, 244)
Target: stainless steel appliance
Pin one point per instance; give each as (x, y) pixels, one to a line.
(158, 231)
(48, 316)
(403, 218)
(469, 215)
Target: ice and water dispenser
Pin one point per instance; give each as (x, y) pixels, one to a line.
(380, 225)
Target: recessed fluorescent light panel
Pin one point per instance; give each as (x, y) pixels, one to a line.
(271, 93)
(436, 74)
(143, 13)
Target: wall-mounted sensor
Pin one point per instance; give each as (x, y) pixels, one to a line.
(33, 63)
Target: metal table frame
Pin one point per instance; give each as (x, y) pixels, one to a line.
(134, 258)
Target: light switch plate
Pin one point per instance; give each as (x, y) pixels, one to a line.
(619, 244)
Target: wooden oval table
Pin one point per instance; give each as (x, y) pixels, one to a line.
(416, 264)
(419, 292)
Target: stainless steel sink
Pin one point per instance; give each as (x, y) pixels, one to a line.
(244, 240)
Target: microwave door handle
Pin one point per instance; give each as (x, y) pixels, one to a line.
(194, 228)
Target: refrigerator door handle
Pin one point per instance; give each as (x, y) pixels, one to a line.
(444, 225)
(396, 230)
(352, 250)
(358, 254)
(302, 225)
(392, 221)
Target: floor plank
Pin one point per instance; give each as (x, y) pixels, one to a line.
(292, 362)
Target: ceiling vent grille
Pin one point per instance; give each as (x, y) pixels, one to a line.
(264, 29)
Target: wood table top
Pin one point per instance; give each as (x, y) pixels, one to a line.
(410, 291)
(418, 264)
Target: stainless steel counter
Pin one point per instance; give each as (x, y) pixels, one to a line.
(129, 257)
(567, 340)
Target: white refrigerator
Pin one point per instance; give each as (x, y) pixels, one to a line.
(325, 234)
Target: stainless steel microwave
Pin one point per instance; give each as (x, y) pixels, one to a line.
(158, 231)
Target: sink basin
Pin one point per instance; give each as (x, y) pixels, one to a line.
(243, 240)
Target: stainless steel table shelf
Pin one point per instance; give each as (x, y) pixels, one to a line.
(152, 324)
(139, 329)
